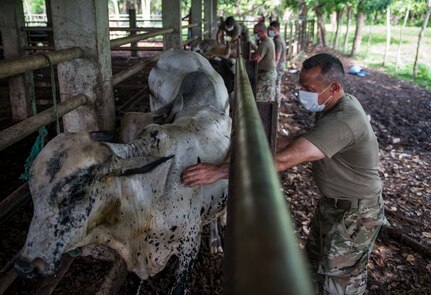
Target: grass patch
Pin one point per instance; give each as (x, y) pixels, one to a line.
(373, 55)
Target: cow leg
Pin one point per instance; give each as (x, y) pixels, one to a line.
(215, 241)
(133, 284)
(188, 253)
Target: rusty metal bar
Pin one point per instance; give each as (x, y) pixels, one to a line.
(33, 62)
(123, 75)
(14, 201)
(158, 48)
(7, 280)
(20, 130)
(48, 285)
(36, 29)
(262, 254)
(136, 38)
(190, 26)
(189, 40)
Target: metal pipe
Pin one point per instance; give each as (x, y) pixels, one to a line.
(190, 26)
(189, 40)
(136, 38)
(123, 75)
(262, 254)
(133, 29)
(141, 48)
(32, 29)
(14, 201)
(38, 48)
(33, 62)
(24, 128)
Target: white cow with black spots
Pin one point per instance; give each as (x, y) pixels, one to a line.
(129, 196)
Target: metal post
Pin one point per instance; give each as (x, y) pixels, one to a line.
(171, 11)
(208, 18)
(196, 18)
(132, 25)
(214, 26)
(262, 254)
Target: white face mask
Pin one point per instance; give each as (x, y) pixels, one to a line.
(229, 28)
(271, 33)
(310, 100)
(256, 36)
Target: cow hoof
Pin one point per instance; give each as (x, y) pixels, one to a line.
(216, 247)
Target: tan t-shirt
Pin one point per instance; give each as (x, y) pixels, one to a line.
(266, 50)
(350, 168)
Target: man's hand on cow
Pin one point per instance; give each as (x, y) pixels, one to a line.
(204, 173)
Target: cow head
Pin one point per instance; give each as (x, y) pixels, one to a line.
(71, 180)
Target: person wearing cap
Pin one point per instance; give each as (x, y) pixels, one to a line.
(344, 152)
(265, 57)
(229, 27)
(280, 56)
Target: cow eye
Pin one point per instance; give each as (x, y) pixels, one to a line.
(77, 196)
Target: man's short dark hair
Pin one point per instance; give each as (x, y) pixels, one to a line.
(331, 67)
(260, 26)
(230, 21)
(275, 24)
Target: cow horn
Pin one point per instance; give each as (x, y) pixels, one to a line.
(137, 165)
(102, 135)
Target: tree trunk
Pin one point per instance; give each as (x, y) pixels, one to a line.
(371, 31)
(397, 60)
(421, 35)
(321, 32)
(360, 17)
(337, 31)
(346, 38)
(146, 9)
(124, 7)
(116, 9)
(388, 35)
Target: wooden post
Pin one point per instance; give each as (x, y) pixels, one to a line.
(196, 17)
(132, 25)
(49, 22)
(208, 18)
(14, 39)
(171, 13)
(91, 75)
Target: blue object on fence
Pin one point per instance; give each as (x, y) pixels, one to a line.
(37, 147)
(357, 70)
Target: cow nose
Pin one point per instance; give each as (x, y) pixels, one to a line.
(30, 270)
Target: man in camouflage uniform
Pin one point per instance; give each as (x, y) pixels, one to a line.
(280, 56)
(345, 153)
(265, 57)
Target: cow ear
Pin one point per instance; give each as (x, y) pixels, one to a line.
(137, 165)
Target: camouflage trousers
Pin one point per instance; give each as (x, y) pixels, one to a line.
(266, 85)
(339, 246)
(280, 73)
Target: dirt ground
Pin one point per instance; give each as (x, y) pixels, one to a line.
(400, 114)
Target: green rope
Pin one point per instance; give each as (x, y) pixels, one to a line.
(36, 148)
(40, 140)
(53, 91)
